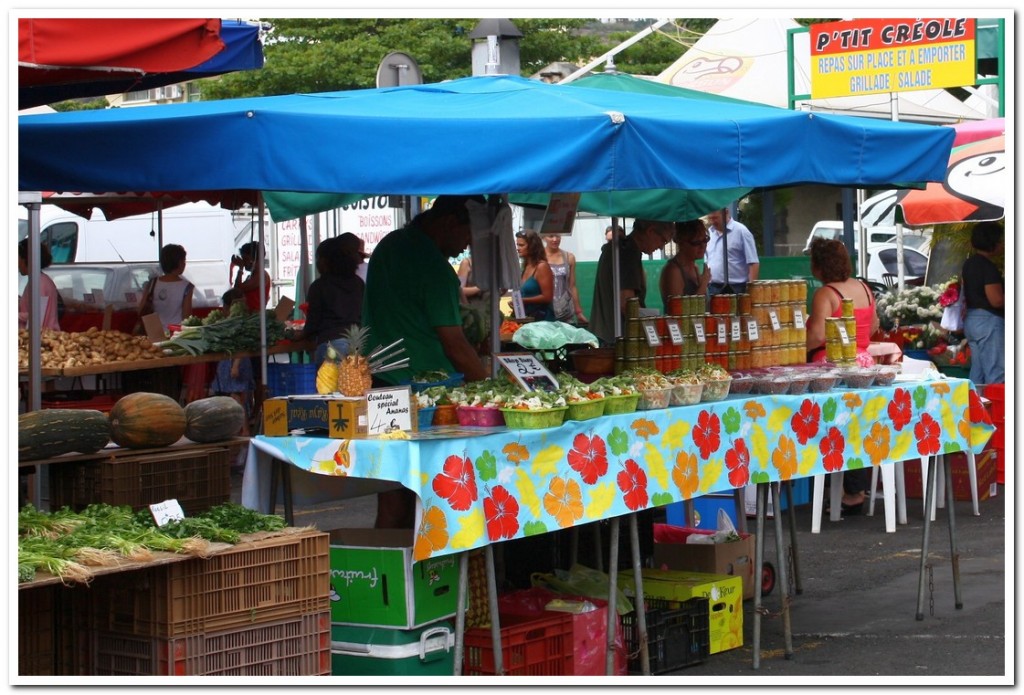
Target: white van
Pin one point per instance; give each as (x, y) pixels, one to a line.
(833, 229)
(207, 232)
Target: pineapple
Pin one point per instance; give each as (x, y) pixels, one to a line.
(354, 369)
(327, 374)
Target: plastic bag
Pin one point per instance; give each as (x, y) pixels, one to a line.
(953, 315)
(551, 335)
(582, 581)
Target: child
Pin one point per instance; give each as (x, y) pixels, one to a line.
(234, 376)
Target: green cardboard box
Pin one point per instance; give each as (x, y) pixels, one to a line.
(375, 582)
(723, 591)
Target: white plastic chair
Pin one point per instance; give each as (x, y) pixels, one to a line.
(893, 490)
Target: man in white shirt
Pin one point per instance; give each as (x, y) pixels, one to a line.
(744, 264)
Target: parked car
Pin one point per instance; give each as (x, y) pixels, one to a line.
(88, 288)
(833, 229)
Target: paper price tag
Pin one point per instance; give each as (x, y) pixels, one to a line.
(674, 333)
(752, 329)
(388, 410)
(528, 372)
(698, 330)
(721, 333)
(774, 319)
(843, 337)
(734, 329)
(166, 511)
(651, 333)
(798, 318)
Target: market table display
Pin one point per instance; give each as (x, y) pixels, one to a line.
(478, 486)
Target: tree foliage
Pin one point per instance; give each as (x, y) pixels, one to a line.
(317, 55)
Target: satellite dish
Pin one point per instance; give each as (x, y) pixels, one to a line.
(397, 69)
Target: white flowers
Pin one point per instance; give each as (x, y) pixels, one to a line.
(913, 305)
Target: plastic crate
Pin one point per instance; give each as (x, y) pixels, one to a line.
(37, 624)
(290, 379)
(529, 647)
(300, 646)
(678, 634)
(197, 479)
(276, 578)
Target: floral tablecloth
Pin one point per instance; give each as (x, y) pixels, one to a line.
(480, 486)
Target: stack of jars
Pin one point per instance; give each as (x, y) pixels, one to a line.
(634, 350)
(778, 307)
(729, 344)
(841, 336)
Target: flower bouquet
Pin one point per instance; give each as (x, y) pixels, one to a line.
(910, 306)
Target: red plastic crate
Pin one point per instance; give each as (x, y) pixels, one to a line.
(540, 646)
(272, 579)
(300, 646)
(197, 479)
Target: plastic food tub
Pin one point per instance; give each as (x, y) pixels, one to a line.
(654, 399)
(860, 378)
(884, 376)
(687, 394)
(445, 415)
(479, 416)
(823, 382)
(715, 390)
(773, 385)
(799, 384)
(516, 419)
(425, 417)
(741, 385)
(586, 410)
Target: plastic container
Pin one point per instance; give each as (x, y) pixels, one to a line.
(454, 379)
(799, 384)
(445, 415)
(425, 417)
(741, 385)
(678, 634)
(529, 646)
(616, 405)
(884, 376)
(358, 650)
(516, 419)
(586, 410)
(654, 399)
(860, 378)
(479, 416)
(288, 379)
(823, 382)
(687, 394)
(715, 390)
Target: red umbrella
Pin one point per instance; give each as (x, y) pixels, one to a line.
(62, 50)
(972, 131)
(974, 190)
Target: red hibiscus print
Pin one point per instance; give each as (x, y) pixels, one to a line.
(977, 412)
(633, 482)
(900, 409)
(738, 455)
(589, 457)
(501, 511)
(831, 447)
(456, 483)
(805, 421)
(706, 433)
(927, 432)
(739, 476)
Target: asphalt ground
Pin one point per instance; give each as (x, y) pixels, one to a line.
(854, 622)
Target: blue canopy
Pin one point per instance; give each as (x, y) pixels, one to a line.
(474, 135)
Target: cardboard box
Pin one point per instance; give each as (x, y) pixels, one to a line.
(341, 418)
(735, 558)
(724, 593)
(375, 582)
(985, 462)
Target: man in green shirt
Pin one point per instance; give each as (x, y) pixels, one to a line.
(412, 292)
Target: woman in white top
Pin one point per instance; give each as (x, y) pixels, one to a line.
(567, 305)
(169, 295)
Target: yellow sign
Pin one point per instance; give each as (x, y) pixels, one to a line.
(872, 56)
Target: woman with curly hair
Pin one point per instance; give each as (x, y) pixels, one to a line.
(538, 280)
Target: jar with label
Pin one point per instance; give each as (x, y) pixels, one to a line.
(633, 308)
(847, 305)
(675, 305)
(743, 303)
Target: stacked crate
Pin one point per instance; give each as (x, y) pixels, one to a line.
(997, 410)
(260, 607)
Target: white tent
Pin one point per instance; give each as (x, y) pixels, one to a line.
(747, 59)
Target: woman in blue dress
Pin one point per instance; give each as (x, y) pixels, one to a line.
(538, 281)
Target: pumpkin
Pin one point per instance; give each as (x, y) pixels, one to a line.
(146, 420)
(52, 432)
(213, 419)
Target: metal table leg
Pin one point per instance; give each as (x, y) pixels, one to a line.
(929, 499)
(787, 631)
(788, 486)
(460, 613)
(954, 551)
(641, 613)
(613, 566)
(492, 605)
(762, 492)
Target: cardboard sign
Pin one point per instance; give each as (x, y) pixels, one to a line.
(166, 511)
(528, 371)
(154, 329)
(388, 410)
(284, 308)
(560, 214)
